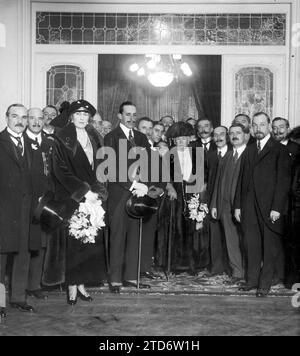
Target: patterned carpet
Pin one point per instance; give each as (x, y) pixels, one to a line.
(184, 283)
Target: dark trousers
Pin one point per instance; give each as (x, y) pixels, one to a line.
(233, 241)
(124, 239)
(149, 232)
(262, 246)
(36, 269)
(21, 260)
(218, 253)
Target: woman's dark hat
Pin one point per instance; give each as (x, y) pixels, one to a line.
(180, 129)
(51, 213)
(83, 105)
(141, 207)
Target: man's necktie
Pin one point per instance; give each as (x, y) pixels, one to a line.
(205, 146)
(219, 154)
(258, 147)
(235, 156)
(19, 145)
(131, 138)
(37, 142)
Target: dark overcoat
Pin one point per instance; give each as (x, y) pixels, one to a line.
(266, 179)
(12, 192)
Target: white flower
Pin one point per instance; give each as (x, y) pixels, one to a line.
(86, 221)
(34, 146)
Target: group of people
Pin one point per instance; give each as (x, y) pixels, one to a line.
(249, 182)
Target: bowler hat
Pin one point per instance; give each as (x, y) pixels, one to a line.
(51, 213)
(141, 207)
(82, 105)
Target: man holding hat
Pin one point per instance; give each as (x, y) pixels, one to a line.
(15, 203)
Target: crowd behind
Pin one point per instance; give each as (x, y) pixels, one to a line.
(252, 190)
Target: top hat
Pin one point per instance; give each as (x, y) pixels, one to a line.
(141, 207)
(51, 213)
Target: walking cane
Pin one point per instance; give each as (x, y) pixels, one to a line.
(139, 253)
(170, 240)
(2, 293)
(105, 236)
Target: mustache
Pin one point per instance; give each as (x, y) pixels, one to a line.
(219, 141)
(19, 125)
(235, 139)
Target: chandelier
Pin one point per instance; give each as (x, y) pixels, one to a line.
(161, 70)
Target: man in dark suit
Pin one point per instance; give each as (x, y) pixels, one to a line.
(215, 159)
(124, 230)
(145, 125)
(41, 147)
(223, 199)
(261, 204)
(245, 120)
(286, 262)
(204, 138)
(280, 131)
(15, 203)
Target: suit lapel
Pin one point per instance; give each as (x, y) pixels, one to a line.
(265, 150)
(9, 147)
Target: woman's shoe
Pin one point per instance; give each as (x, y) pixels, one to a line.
(83, 295)
(72, 295)
(71, 301)
(86, 298)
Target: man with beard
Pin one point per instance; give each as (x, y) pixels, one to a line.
(245, 120)
(15, 203)
(215, 159)
(286, 265)
(223, 199)
(261, 204)
(281, 128)
(41, 147)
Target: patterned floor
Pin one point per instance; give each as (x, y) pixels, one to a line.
(184, 283)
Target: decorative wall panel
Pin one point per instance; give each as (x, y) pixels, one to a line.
(64, 83)
(160, 29)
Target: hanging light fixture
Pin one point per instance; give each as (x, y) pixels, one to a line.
(162, 70)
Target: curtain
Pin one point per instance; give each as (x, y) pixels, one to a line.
(199, 95)
(206, 86)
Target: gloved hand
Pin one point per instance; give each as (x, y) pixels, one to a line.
(91, 196)
(139, 189)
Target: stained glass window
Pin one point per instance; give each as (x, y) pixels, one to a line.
(64, 83)
(254, 91)
(161, 29)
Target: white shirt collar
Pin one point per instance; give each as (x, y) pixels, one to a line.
(239, 150)
(264, 141)
(223, 150)
(126, 130)
(33, 136)
(285, 142)
(49, 130)
(14, 134)
(206, 140)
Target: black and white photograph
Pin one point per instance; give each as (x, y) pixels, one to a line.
(149, 171)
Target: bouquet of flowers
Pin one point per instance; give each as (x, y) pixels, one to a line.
(197, 210)
(86, 221)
